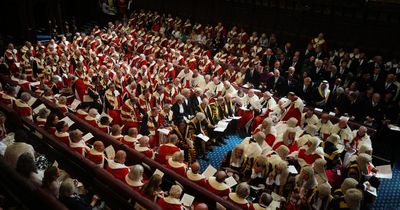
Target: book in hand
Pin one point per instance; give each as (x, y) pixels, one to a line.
(68, 121)
(203, 137)
(235, 117)
(74, 104)
(230, 181)
(159, 173)
(384, 172)
(187, 200)
(87, 137)
(370, 189)
(209, 172)
(37, 109)
(292, 169)
(110, 152)
(31, 101)
(163, 131)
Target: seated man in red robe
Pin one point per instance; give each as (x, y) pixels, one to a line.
(217, 184)
(96, 154)
(288, 139)
(172, 202)
(308, 154)
(194, 174)
(167, 150)
(239, 197)
(293, 108)
(62, 132)
(176, 163)
(22, 107)
(132, 138)
(117, 166)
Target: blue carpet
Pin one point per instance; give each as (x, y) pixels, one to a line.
(388, 192)
(219, 152)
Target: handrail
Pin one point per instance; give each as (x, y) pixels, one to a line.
(112, 191)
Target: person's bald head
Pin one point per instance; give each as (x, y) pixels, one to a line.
(220, 177)
(195, 167)
(120, 156)
(201, 206)
(98, 146)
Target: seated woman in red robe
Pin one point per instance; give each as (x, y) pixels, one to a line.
(91, 117)
(134, 178)
(172, 202)
(288, 139)
(151, 189)
(176, 163)
(143, 147)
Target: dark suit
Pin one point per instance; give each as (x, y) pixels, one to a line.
(318, 74)
(279, 86)
(268, 61)
(253, 77)
(304, 93)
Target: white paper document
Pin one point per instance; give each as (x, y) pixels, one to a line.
(221, 126)
(236, 117)
(318, 110)
(370, 189)
(75, 104)
(159, 173)
(332, 114)
(187, 200)
(384, 172)
(203, 137)
(230, 181)
(163, 131)
(33, 84)
(110, 152)
(68, 121)
(37, 109)
(31, 101)
(209, 172)
(292, 170)
(244, 108)
(87, 137)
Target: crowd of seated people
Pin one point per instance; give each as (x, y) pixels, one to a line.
(159, 85)
(19, 153)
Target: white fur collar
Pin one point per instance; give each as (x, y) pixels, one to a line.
(175, 164)
(132, 139)
(194, 177)
(114, 165)
(141, 149)
(171, 200)
(77, 144)
(216, 185)
(132, 183)
(236, 199)
(60, 135)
